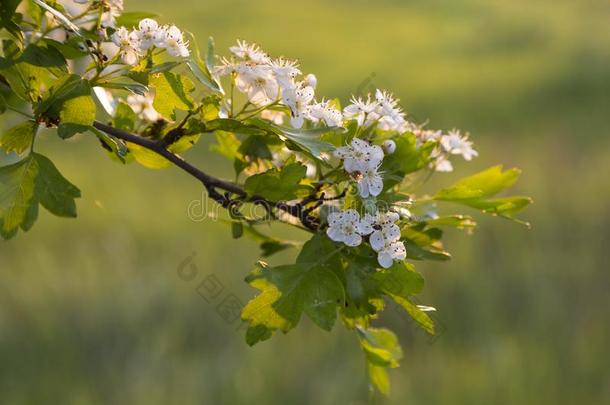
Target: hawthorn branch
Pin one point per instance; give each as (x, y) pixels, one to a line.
(211, 183)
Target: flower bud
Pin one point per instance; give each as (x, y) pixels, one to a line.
(389, 146)
(311, 80)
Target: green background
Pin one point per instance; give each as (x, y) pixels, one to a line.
(94, 310)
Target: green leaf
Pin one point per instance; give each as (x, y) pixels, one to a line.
(407, 158)
(203, 78)
(17, 182)
(277, 184)
(484, 184)
(19, 138)
(76, 115)
(308, 140)
(3, 105)
(43, 57)
(474, 191)
(171, 92)
(70, 49)
(400, 280)
(54, 192)
(148, 158)
(382, 351)
(124, 118)
(234, 126)
(132, 19)
(27, 81)
(133, 87)
(310, 285)
(420, 317)
(456, 221)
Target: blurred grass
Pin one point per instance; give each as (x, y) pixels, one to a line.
(94, 311)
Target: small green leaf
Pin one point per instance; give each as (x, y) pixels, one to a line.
(277, 184)
(76, 115)
(17, 182)
(43, 57)
(382, 351)
(308, 140)
(54, 192)
(171, 92)
(484, 184)
(132, 19)
(124, 118)
(19, 138)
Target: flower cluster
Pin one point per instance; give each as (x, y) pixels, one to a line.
(384, 235)
(149, 35)
(382, 110)
(452, 143)
(266, 81)
(362, 161)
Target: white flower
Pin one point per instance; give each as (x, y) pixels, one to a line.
(147, 33)
(456, 144)
(128, 45)
(323, 111)
(359, 156)
(298, 99)
(442, 164)
(258, 82)
(347, 227)
(250, 52)
(285, 72)
(370, 182)
(389, 146)
(142, 105)
(390, 252)
(385, 240)
(114, 9)
(172, 40)
(364, 112)
(392, 117)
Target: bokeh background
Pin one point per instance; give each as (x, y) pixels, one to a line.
(93, 311)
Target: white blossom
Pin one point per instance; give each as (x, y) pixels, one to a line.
(128, 44)
(258, 82)
(171, 39)
(298, 99)
(142, 105)
(114, 8)
(347, 227)
(391, 252)
(323, 111)
(285, 72)
(147, 33)
(456, 144)
(370, 182)
(359, 156)
(363, 111)
(385, 239)
(250, 52)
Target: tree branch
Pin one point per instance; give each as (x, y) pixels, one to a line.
(212, 184)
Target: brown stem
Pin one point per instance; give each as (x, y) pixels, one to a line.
(212, 184)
